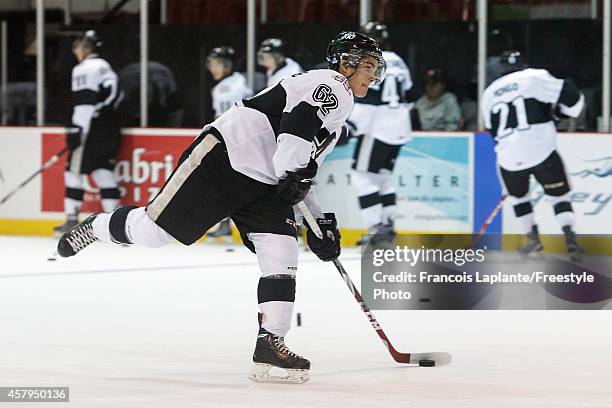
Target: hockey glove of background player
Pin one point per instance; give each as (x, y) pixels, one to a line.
(73, 137)
(347, 131)
(328, 248)
(294, 188)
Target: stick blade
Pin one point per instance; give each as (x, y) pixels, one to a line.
(441, 358)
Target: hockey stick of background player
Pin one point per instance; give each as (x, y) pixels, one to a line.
(488, 221)
(424, 359)
(45, 166)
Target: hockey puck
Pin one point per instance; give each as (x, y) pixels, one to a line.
(298, 319)
(51, 258)
(427, 363)
(229, 250)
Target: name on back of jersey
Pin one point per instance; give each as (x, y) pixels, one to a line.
(513, 87)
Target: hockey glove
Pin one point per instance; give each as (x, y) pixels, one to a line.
(328, 248)
(348, 130)
(73, 137)
(294, 188)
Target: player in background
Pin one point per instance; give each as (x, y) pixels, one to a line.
(253, 164)
(94, 136)
(382, 122)
(519, 109)
(230, 88)
(271, 55)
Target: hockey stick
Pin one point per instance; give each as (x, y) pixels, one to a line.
(488, 221)
(45, 166)
(425, 359)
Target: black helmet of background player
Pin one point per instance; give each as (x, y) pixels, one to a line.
(352, 49)
(378, 32)
(220, 62)
(511, 61)
(271, 53)
(86, 44)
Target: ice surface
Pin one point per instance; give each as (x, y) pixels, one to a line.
(175, 327)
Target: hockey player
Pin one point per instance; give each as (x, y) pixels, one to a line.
(230, 88)
(94, 135)
(271, 55)
(382, 121)
(518, 109)
(253, 164)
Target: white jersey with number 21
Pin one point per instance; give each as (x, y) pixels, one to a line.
(518, 110)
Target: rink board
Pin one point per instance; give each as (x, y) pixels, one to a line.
(446, 182)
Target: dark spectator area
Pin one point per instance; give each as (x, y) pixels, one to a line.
(568, 48)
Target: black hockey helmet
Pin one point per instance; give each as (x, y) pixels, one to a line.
(91, 39)
(377, 31)
(350, 48)
(225, 53)
(512, 61)
(273, 46)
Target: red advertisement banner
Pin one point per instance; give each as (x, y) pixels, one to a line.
(144, 163)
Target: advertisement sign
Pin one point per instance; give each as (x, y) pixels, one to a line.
(432, 177)
(144, 162)
(588, 162)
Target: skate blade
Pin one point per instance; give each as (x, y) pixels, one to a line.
(260, 373)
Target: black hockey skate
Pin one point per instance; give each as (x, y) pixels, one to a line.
(77, 238)
(223, 230)
(574, 249)
(533, 244)
(378, 234)
(271, 351)
(65, 227)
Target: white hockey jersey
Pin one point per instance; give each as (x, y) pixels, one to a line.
(229, 91)
(94, 87)
(383, 113)
(285, 126)
(290, 67)
(518, 110)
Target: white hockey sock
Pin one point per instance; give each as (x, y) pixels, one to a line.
(109, 204)
(100, 227)
(73, 198)
(386, 188)
(388, 207)
(137, 226)
(372, 215)
(72, 207)
(109, 191)
(140, 229)
(276, 316)
(277, 256)
(527, 222)
(566, 219)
